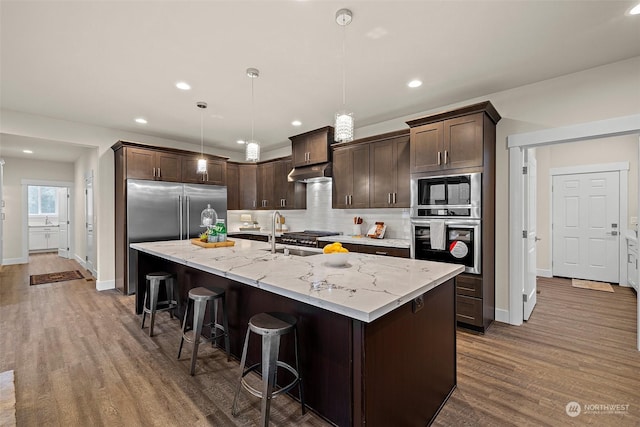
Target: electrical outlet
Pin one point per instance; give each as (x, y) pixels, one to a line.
(418, 304)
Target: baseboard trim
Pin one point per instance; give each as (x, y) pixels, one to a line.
(80, 261)
(104, 285)
(12, 261)
(502, 315)
(542, 272)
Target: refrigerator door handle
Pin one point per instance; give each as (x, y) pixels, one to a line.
(180, 214)
(188, 214)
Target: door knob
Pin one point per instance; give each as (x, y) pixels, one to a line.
(612, 233)
(538, 238)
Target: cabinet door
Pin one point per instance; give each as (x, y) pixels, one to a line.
(463, 141)
(189, 170)
(282, 188)
(37, 240)
(299, 151)
(233, 189)
(427, 148)
(247, 183)
(403, 175)
(318, 148)
(360, 190)
(216, 172)
(342, 178)
(168, 166)
(141, 163)
(265, 181)
(53, 239)
(382, 178)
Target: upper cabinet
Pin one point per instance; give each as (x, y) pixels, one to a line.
(247, 186)
(144, 163)
(452, 140)
(216, 171)
(167, 164)
(351, 177)
(312, 147)
(233, 187)
(274, 189)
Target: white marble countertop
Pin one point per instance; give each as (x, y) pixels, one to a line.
(44, 226)
(389, 243)
(366, 288)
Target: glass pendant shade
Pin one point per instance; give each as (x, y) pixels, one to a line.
(344, 127)
(202, 166)
(252, 151)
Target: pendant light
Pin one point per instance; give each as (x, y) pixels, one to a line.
(344, 119)
(252, 148)
(202, 162)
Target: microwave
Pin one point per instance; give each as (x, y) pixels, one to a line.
(446, 196)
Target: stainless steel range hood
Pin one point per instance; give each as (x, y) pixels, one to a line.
(312, 173)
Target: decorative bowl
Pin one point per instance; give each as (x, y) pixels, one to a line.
(337, 259)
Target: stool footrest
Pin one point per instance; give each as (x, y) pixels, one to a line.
(280, 390)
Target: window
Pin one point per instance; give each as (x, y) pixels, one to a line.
(43, 200)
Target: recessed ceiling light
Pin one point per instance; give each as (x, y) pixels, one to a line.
(414, 83)
(27, 151)
(183, 85)
(240, 141)
(635, 10)
(141, 120)
(296, 123)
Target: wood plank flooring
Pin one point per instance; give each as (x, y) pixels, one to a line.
(80, 358)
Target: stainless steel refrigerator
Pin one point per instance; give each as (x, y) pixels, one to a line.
(167, 211)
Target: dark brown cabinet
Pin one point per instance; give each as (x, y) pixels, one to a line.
(288, 195)
(216, 171)
(450, 144)
(312, 147)
(389, 178)
(247, 185)
(351, 177)
(455, 142)
(266, 182)
(144, 163)
(233, 187)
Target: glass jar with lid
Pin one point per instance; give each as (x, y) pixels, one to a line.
(208, 217)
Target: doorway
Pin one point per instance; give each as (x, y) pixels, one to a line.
(587, 215)
(90, 257)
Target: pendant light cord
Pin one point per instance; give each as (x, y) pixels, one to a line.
(202, 133)
(252, 109)
(344, 72)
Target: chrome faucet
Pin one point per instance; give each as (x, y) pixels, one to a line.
(273, 230)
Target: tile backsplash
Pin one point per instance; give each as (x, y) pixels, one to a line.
(320, 216)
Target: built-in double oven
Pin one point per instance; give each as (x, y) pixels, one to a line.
(446, 219)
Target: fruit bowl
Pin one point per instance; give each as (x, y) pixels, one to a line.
(336, 259)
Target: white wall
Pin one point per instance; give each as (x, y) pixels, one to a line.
(599, 93)
(597, 151)
(15, 170)
(84, 165)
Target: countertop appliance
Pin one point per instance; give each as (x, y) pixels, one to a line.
(307, 238)
(167, 211)
(446, 196)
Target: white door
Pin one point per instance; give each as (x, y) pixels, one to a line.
(88, 210)
(530, 188)
(586, 225)
(63, 221)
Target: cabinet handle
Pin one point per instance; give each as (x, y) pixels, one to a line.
(159, 174)
(154, 172)
(380, 253)
(350, 199)
(389, 198)
(394, 198)
(254, 203)
(439, 161)
(446, 156)
(346, 200)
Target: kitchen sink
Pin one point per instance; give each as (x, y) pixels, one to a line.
(296, 252)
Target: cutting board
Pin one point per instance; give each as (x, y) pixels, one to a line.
(200, 243)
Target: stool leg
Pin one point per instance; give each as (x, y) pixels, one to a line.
(270, 347)
(168, 283)
(213, 314)
(225, 325)
(153, 287)
(234, 409)
(300, 390)
(184, 327)
(199, 308)
(144, 307)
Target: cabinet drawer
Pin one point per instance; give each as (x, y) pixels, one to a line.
(470, 286)
(469, 310)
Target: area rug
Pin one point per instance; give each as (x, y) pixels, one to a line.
(39, 279)
(588, 284)
(7, 399)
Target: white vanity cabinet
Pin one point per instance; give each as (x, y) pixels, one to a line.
(44, 238)
(632, 262)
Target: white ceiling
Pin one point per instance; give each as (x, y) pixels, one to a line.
(108, 62)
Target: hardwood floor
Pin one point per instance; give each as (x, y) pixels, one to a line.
(80, 358)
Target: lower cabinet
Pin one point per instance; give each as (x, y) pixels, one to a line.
(632, 264)
(43, 238)
(374, 250)
(474, 302)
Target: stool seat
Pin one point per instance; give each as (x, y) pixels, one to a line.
(153, 290)
(271, 326)
(198, 299)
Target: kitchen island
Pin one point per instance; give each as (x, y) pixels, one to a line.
(377, 336)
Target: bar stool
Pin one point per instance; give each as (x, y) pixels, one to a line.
(270, 326)
(198, 298)
(153, 289)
